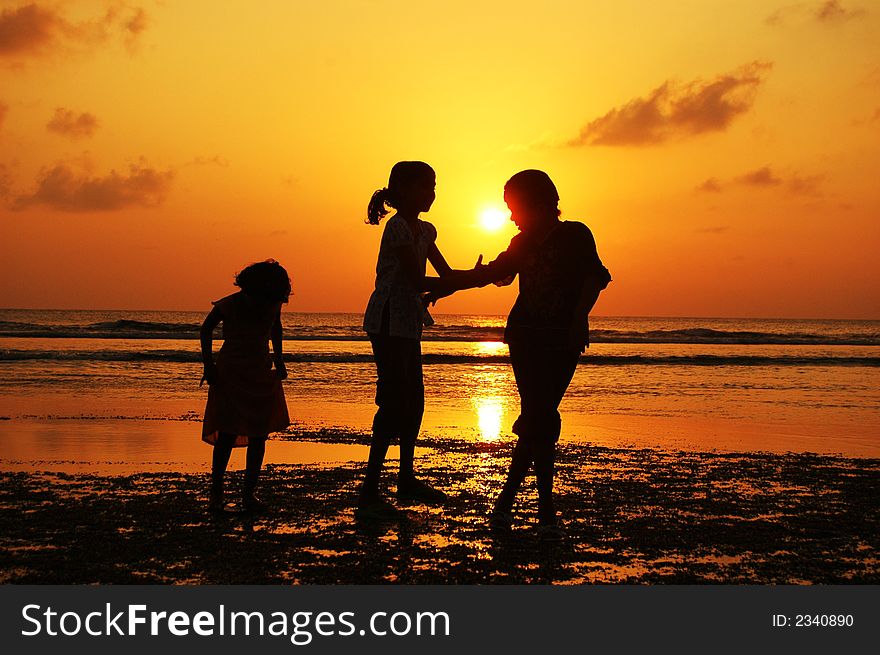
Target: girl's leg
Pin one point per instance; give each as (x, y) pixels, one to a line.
(412, 410)
(519, 468)
(219, 462)
(256, 449)
(383, 421)
(542, 377)
(557, 372)
(378, 450)
(545, 454)
(412, 394)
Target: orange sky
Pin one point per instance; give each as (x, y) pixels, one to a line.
(725, 155)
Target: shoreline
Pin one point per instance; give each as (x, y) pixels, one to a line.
(632, 515)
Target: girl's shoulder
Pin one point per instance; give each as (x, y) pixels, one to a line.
(396, 232)
(225, 305)
(428, 230)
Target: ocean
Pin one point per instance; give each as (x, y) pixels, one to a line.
(77, 384)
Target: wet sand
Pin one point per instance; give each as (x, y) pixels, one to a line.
(641, 516)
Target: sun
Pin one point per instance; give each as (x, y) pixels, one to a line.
(493, 219)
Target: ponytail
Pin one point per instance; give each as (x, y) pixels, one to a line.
(377, 210)
(403, 174)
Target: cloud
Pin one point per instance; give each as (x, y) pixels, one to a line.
(676, 110)
(805, 185)
(829, 12)
(765, 177)
(67, 123)
(132, 24)
(64, 189)
(832, 11)
(137, 23)
(27, 30)
(215, 160)
(759, 177)
(4, 108)
(711, 185)
(34, 30)
(717, 229)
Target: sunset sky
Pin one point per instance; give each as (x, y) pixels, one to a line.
(726, 154)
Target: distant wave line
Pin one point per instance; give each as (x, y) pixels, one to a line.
(139, 330)
(185, 356)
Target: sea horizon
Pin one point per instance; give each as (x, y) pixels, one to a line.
(434, 312)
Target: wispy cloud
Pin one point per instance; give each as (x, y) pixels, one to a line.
(832, 11)
(766, 177)
(67, 122)
(829, 12)
(716, 229)
(62, 188)
(134, 26)
(215, 160)
(37, 29)
(676, 110)
(759, 177)
(711, 185)
(4, 108)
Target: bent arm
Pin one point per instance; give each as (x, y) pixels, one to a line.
(278, 346)
(206, 336)
(206, 339)
(590, 290)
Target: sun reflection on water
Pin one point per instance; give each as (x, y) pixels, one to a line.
(490, 414)
(490, 347)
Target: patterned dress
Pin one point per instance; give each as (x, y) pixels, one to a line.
(395, 288)
(247, 398)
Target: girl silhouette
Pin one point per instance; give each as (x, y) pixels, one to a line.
(560, 277)
(395, 315)
(245, 398)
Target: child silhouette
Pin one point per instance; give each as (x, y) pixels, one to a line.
(393, 321)
(245, 399)
(560, 277)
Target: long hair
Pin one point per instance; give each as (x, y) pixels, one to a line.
(403, 174)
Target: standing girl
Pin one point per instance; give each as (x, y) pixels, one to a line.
(393, 320)
(245, 399)
(560, 278)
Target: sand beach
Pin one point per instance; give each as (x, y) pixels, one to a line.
(632, 515)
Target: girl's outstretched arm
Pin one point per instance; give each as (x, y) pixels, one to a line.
(278, 358)
(206, 338)
(438, 261)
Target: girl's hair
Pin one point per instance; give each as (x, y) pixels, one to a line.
(535, 188)
(267, 281)
(403, 174)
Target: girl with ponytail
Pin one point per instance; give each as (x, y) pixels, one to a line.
(393, 320)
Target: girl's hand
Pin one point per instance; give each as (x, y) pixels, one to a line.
(280, 369)
(431, 298)
(577, 336)
(210, 374)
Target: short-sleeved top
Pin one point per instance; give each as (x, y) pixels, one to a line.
(397, 292)
(552, 271)
(247, 325)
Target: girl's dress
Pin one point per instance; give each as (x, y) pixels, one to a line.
(395, 301)
(247, 400)
(393, 321)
